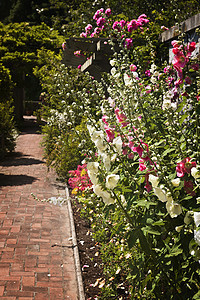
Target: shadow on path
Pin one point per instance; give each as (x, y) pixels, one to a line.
(16, 180)
(19, 159)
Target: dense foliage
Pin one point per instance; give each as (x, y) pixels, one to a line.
(7, 129)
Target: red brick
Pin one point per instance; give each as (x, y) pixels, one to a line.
(13, 285)
(11, 241)
(4, 271)
(1, 290)
(41, 296)
(56, 293)
(28, 281)
(15, 228)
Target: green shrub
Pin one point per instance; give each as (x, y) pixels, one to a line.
(7, 128)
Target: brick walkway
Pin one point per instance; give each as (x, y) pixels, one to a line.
(33, 263)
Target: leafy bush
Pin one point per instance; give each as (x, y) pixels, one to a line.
(7, 129)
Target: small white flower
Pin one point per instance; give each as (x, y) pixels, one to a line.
(176, 181)
(112, 62)
(195, 172)
(111, 181)
(154, 180)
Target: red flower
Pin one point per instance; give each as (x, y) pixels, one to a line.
(185, 166)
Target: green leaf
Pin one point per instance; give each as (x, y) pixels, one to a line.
(150, 230)
(132, 238)
(167, 151)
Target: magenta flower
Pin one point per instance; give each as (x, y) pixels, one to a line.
(132, 25)
(116, 25)
(147, 73)
(133, 68)
(101, 21)
(185, 166)
(189, 188)
(64, 46)
(88, 28)
(108, 12)
(79, 67)
(129, 43)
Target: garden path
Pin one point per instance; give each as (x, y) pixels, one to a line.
(36, 258)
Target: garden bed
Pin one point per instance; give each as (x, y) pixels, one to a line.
(89, 254)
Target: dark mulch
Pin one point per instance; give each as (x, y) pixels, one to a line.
(88, 251)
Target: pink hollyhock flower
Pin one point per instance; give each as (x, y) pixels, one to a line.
(110, 134)
(97, 30)
(64, 46)
(142, 20)
(121, 117)
(142, 165)
(108, 12)
(147, 73)
(129, 43)
(133, 68)
(189, 188)
(104, 118)
(83, 34)
(191, 47)
(88, 28)
(122, 23)
(198, 97)
(185, 166)
(98, 14)
(124, 151)
(130, 155)
(101, 21)
(132, 25)
(79, 67)
(164, 28)
(116, 26)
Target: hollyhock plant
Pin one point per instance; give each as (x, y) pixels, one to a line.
(145, 129)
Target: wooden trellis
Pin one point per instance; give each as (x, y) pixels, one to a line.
(99, 49)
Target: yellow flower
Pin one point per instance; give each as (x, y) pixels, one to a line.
(83, 172)
(75, 191)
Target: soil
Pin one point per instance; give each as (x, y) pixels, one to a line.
(89, 254)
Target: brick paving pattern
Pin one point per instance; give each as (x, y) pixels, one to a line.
(36, 258)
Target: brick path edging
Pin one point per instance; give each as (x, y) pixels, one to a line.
(80, 287)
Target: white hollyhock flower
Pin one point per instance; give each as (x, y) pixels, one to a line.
(111, 181)
(160, 193)
(106, 161)
(195, 172)
(197, 218)
(117, 142)
(176, 181)
(197, 236)
(97, 135)
(93, 166)
(174, 209)
(93, 177)
(128, 80)
(154, 180)
(166, 104)
(107, 199)
(188, 217)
